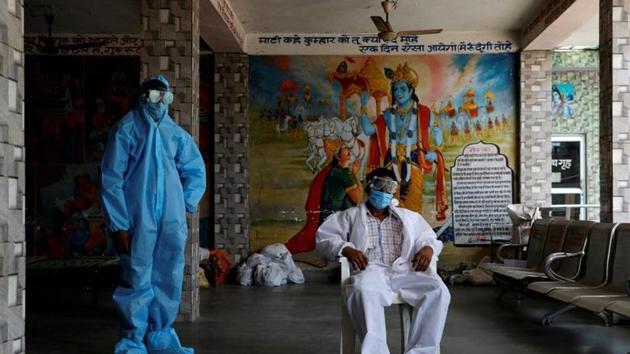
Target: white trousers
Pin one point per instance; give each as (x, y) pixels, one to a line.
(373, 289)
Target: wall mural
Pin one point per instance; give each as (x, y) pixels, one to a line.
(70, 218)
(317, 128)
(71, 104)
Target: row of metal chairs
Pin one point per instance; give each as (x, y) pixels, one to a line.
(580, 263)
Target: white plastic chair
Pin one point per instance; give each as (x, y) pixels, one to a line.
(348, 335)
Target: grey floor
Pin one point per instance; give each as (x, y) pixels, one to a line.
(305, 319)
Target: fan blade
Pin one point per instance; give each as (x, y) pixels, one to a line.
(387, 36)
(419, 32)
(381, 25)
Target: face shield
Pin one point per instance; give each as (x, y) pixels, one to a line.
(384, 184)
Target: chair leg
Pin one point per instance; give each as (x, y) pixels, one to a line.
(506, 289)
(548, 318)
(607, 317)
(405, 323)
(348, 335)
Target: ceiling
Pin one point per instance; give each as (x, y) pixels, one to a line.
(213, 30)
(353, 16)
(586, 36)
(309, 16)
(577, 26)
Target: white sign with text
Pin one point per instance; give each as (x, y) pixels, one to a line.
(481, 189)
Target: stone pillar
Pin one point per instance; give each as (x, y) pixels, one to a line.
(231, 134)
(12, 245)
(605, 109)
(171, 48)
(535, 128)
(615, 109)
(582, 69)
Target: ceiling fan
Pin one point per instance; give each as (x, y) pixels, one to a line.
(385, 30)
(49, 45)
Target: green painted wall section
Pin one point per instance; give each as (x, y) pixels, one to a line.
(581, 68)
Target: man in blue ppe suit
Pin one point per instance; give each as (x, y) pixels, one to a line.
(152, 173)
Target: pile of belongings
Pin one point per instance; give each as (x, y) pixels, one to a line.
(472, 275)
(273, 266)
(217, 262)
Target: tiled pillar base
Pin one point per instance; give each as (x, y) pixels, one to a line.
(535, 128)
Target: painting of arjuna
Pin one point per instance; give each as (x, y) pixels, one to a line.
(319, 124)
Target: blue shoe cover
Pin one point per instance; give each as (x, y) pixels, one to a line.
(165, 342)
(127, 346)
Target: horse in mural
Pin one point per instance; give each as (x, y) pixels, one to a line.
(282, 124)
(315, 133)
(326, 135)
(347, 132)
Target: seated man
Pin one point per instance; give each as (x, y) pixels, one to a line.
(391, 250)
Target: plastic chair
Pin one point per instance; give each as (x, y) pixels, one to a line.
(348, 335)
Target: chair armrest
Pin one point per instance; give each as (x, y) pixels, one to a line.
(507, 245)
(345, 269)
(557, 257)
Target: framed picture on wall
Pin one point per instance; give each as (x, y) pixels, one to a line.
(562, 100)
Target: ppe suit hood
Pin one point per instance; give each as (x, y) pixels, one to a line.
(155, 111)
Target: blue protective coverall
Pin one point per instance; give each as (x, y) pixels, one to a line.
(152, 173)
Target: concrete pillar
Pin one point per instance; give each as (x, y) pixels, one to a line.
(605, 109)
(171, 48)
(12, 245)
(615, 109)
(535, 128)
(231, 134)
(581, 68)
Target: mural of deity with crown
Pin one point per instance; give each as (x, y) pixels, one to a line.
(324, 122)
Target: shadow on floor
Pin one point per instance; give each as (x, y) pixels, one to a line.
(304, 319)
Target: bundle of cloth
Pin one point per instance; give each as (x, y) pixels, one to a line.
(218, 264)
(273, 266)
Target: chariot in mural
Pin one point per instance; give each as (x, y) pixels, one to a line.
(323, 123)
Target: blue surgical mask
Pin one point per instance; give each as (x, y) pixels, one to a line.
(156, 110)
(379, 200)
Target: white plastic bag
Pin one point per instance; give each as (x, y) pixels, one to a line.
(275, 251)
(274, 266)
(271, 274)
(245, 274)
(255, 259)
(294, 273)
